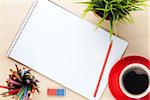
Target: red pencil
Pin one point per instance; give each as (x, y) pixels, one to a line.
(5, 87)
(11, 92)
(103, 68)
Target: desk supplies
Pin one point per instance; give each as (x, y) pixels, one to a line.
(65, 48)
(103, 68)
(21, 84)
(56, 92)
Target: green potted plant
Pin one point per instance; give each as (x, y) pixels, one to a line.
(113, 10)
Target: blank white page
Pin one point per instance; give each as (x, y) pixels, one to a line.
(65, 48)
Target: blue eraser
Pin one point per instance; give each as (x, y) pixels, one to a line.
(61, 92)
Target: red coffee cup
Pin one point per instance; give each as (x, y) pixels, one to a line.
(122, 67)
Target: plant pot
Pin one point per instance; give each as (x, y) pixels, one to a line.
(100, 14)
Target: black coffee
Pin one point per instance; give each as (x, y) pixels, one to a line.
(135, 83)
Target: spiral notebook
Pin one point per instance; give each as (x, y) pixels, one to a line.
(65, 48)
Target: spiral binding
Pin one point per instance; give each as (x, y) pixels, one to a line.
(22, 27)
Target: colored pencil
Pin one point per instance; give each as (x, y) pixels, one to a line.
(25, 93)
(14, 82)
(17, 68)
(20, 93)
(103, 68)
(11, 92)
(5, 87)
(21, 84)
(19, 78)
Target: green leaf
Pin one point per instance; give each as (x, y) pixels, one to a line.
(102, 9)
(87, 2)
(104, 16)
(115, 9)
(111, 28)
(86, 11)
(102, 20)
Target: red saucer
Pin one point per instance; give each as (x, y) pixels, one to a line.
(113, 81)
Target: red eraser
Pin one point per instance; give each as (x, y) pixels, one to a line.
(51, 92)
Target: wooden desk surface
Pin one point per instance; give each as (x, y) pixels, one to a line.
(12, 13)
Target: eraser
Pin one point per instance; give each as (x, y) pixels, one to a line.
(51, 92)
(61, 92)
(56, 92)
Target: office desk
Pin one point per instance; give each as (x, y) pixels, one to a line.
(12, 13)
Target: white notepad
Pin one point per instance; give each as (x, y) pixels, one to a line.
(65, 48)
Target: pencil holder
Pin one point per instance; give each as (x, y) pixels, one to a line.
(21, 84)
